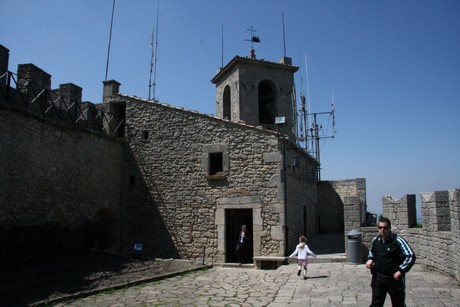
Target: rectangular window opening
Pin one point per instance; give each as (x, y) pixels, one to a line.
(215, 163)
(132, 180)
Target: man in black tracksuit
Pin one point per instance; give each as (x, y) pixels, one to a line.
(390, 258)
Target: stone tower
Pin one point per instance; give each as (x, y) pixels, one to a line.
(256, 92)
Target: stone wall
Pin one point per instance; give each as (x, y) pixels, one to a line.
(52, 172)
(331, 218)
(155, 180)
(437, 242)
(302, 196)
(342, 205)
(174, 203)
(242, 78)
(402, 212)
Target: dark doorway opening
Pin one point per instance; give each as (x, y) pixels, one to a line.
(267, 103)
(234, 218)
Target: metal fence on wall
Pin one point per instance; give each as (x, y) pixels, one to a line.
(23, 93)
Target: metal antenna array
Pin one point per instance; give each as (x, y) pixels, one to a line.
(315, 133)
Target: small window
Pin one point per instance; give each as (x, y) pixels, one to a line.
(215, 163)
(132, 180)
(226, 112)
(145, 135)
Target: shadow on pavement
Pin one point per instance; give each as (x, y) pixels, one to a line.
(79, 276)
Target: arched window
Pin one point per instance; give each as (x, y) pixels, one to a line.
(226, 112)
(267, 103)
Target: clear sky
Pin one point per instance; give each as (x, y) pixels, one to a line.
(392, 66)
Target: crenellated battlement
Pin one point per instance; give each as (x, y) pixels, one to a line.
(437, 242)
(30, 90)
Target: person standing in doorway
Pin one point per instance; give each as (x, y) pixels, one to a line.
(242, 246)
(390, 258)
(302, 251)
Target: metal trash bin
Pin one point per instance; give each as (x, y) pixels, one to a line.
(354, 251)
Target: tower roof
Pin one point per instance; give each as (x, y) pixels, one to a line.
(246, 60)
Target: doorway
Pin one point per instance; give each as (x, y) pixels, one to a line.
(234, 218)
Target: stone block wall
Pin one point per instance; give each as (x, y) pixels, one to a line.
(436, 211)
(331, 217)
(241, 79)
(342, 205)
(170, 188)
(154, 182)
(53, 173)
(437, 242)
(31, 91)
(401, 212)
(302, 208)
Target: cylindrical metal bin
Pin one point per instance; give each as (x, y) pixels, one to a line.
(354, 251)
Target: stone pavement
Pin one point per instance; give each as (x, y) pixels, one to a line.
(329, 284)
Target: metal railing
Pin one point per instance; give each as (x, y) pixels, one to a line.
(25, 94)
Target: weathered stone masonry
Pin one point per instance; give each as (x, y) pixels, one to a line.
(154, 179)
(171, 146)
(50, 172)
(151, 176)
(151, 169)
(437, 242)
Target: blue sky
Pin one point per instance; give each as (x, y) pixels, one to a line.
(393, 66)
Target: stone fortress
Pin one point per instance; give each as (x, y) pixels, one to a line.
(181, 183)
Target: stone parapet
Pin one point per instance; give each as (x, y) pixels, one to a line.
(437, 242)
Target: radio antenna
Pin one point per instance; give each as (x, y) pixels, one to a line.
(156, 51)
(284, 35)
(315, 133)
(222, 43)
(110, 40)
(151, 62)
(308, 97)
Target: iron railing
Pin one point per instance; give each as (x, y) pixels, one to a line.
(23, 93)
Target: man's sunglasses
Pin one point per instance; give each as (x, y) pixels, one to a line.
(383, 227)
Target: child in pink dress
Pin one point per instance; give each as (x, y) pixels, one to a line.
(302, 251)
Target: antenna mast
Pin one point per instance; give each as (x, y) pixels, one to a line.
(284, 35)
(316, 132)
(110, 41)
(156, 52)
(151, 62)
(222, 42)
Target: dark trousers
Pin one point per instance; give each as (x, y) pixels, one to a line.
(241, 252)
(383, 284)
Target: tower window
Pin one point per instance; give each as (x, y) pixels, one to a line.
(226, 112)
(267, 103)
(145, 135)
(132, 180)
(215, 163)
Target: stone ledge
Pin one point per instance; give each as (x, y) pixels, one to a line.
(269, 262)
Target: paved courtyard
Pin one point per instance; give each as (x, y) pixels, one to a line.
(329, 284)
